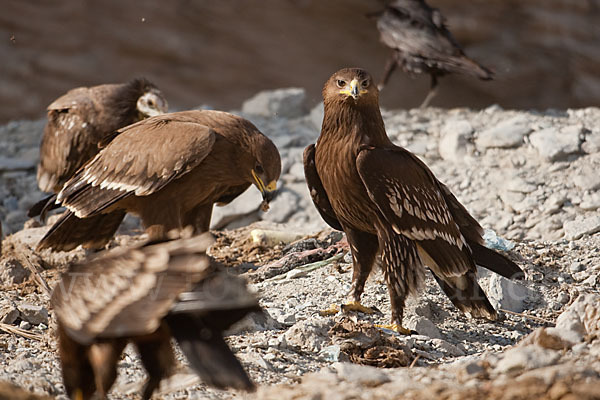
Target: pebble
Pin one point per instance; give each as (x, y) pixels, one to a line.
(575, 229)
(455, 142)
(506, 134)
(33, 313)
(526, 358)
(362, 374)
(556, 144)
(282, 103)
(507, 294)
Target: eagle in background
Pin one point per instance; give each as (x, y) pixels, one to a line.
(390, 204)
(83, 117)
(422, 44)
(145, 296)
(169, 170)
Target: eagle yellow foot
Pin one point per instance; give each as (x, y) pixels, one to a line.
(396, 328)
(352, 306)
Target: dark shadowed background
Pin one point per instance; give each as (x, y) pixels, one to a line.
(546, 53)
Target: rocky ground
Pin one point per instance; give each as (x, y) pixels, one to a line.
(530, 179)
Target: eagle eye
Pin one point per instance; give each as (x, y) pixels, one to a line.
(259, 169)
(365, 83)
(341, 83)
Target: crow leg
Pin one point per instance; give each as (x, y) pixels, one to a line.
(389, 69)
(432, 91)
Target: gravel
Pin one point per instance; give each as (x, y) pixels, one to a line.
(528, 177)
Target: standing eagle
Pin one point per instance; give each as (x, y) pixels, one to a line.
(422, 44)
(389, 203)
(144, 296)
(83, 117)
(168, 170)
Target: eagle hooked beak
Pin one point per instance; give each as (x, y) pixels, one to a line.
(268, 191)
(353, 90)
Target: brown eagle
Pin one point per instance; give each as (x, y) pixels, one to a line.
(145, 296)
(168, 170)
(389, 203)
(422, 44)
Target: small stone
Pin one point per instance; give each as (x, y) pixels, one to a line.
(556, 145)
(506, 134)
(25, 325)
(563, 298)
(582, 316)
(34, 314)
(8, 313)
(590, 281)
(590, 201)
(282, 103)
(361, 374)
(576, 267)
(311, 335)
(455, 141)
(506, 294)
(587, 178)
(12, 272)
(423, 326)
(448, 347)
(525, 358)
(575, 229)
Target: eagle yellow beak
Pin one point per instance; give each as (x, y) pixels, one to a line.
(354, 89)
(268, 191)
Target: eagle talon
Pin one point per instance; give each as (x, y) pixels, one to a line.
(356, 306)
(352, 306)
(397, 328)
(332, 310)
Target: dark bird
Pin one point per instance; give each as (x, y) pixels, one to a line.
(390, 204)
(145, 296)
(422, 44)
(168, 170)
(82, 118)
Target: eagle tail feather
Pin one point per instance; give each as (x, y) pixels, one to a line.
(495, 262)
(42, 207)
(202, 343)
(92, 232)
(471, 300)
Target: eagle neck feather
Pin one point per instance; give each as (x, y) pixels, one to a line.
(357, 124)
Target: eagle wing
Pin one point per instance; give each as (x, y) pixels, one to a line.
(69, 139)
(141, 160)
(127, 292)
(316, 189)
(412, 204)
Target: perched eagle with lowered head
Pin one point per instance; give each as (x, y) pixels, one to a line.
(390, 204)
(145, 296)
(422, 44)
(83, 117)
(168, 170)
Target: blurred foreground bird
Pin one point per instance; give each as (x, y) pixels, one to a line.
(145, 296)
(422, 44)
(79, 120)
(169, 170)
(390, 205)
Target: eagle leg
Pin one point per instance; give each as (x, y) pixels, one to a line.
(104, 357)
(432, 92)
(403, 272)
(364, 247)
(157, 357)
